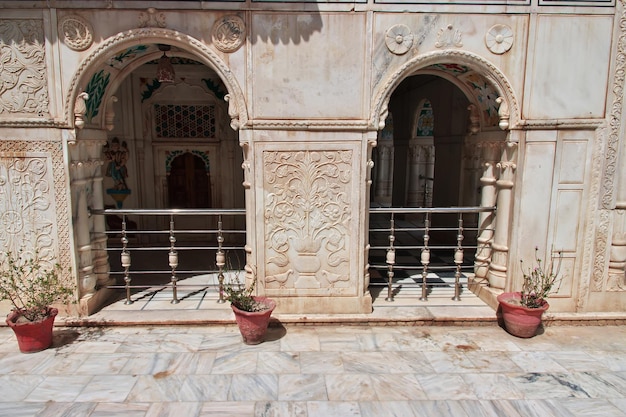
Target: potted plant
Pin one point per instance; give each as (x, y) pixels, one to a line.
(252, 313)
(522, 311)
(32, 288)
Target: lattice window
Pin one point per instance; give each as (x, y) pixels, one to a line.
(184, 121)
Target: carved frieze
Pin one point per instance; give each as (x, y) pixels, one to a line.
(23, 85)
(307, 219)
(76, 32)
(449, 36)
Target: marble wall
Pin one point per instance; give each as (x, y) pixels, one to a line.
(308, 87)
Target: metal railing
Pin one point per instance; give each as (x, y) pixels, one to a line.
(166, 241)
(416, 234)
(412, 232)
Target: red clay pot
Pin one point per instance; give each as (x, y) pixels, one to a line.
(32, 336)
(253, 324)
(520, 321)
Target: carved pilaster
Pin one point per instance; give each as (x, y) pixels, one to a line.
(500, 250)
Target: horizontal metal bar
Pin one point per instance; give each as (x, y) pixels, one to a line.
(168, 212)
(418, 210)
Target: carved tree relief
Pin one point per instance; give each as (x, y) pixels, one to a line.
(307, 219)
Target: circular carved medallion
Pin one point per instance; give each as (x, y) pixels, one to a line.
(77, 32)
(399, 39)
(499, 39)
(228, 33)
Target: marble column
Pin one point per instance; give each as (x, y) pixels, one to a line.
(500, 250)
(486, 220)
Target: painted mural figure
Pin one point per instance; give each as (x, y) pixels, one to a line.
(117, 155)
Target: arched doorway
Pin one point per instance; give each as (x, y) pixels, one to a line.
(473, 107)
(188, 183)
(120, 97)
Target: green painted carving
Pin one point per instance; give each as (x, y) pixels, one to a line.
(131, 52)
(214, 88)
(96, 88)
(150, 89)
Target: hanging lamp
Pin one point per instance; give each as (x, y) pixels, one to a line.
(165, 70)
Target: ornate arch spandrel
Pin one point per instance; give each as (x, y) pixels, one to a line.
(100, 55)
(483, 67)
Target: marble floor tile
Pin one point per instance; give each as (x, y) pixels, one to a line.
(66, 409)
(156, 388)
(531, 361)
(589, 408)
(235, 363)
(321, 362)
(492, 386)
(107, 388)
(450, 362)
(377, 342)
(63, 388)
(492, 361)
(278, 363)
(545, 386)
(17, 387)
(280, 409)
(253, 387)
(20, 409)
(103, 364)
(438, 408)
(21, 364)
(228, 408)
(386, 409)
(174, 409)
(333, 408)
(302, 387)
(350, 387)
(577, 361)
(446, 387)
(397, 387)
(486, 408)
(205, 388)
(369, 363)
(120, 410)
(300, 340)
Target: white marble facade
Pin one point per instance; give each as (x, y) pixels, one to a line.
(298, 92)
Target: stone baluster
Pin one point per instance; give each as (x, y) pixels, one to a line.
(390, 259)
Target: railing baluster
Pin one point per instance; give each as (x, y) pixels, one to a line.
(173, 261)
(125, 259)
(390, 259)
(220, 260)
(458, 260)
(425, 258)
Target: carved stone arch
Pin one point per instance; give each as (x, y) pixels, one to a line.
(201, 52)
(510, 111)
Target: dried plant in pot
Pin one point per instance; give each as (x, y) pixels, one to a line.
(522, 311)
(32, 286)
(252, 312)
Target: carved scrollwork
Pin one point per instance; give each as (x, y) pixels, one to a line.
(229, 33)
(152, 18)
(449, 36)
(23, 87)
(399, 39)
(77, 32)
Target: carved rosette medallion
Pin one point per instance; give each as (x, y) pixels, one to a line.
(77, 32)
(307, 218)
(229, 33)
(399, 39)
(23, 86)
(499, 39)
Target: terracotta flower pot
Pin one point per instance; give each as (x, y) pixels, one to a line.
(253, 324)
(32, 336)
(520, 321)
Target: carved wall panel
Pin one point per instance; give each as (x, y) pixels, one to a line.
(33, 200)
(307, 220)
(23, 80)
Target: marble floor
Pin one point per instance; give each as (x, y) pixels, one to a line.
(317, 371)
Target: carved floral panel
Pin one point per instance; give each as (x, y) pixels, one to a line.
(307, 221)
(27, 213)
(23, 85)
